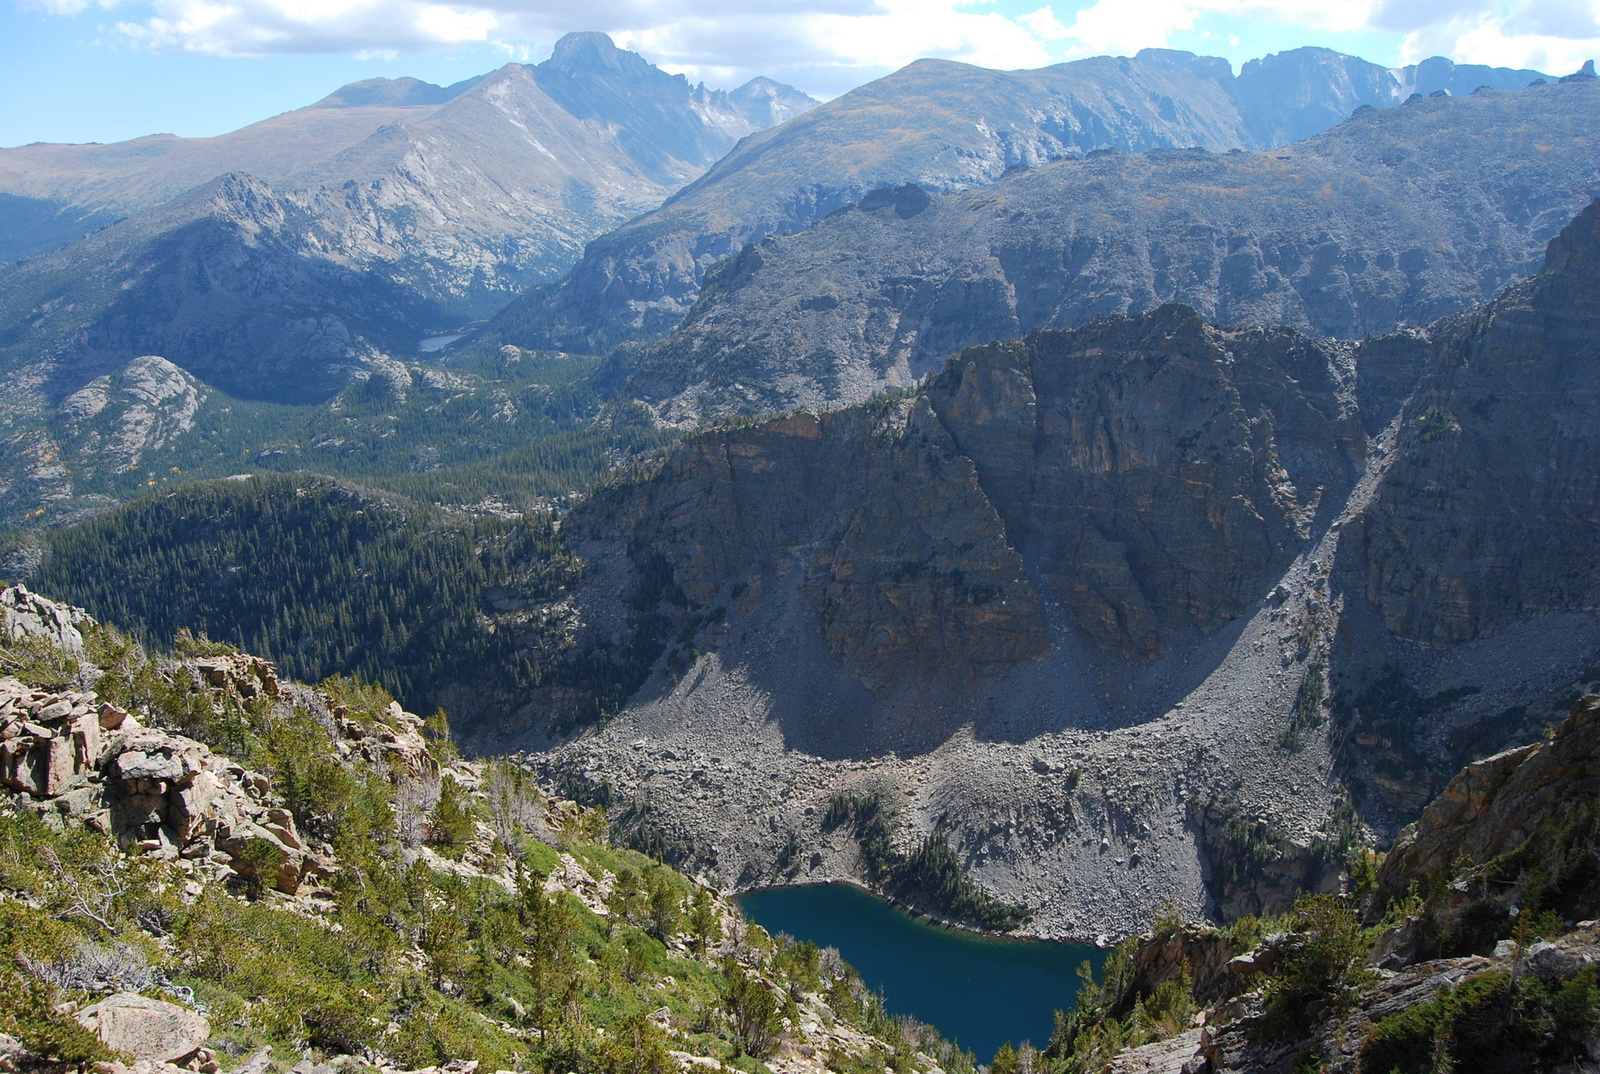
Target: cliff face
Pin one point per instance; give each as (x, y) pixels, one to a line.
(1158, 473)
(894, 548)
(1097, 598)
(1153, 476)
(1491, 510)
(1497, 803)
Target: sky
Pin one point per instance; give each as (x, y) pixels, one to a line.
(106, 70)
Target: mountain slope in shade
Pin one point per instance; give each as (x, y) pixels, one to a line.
(1396, 216)
(229, 281)
(948, 126)
(1086, 600)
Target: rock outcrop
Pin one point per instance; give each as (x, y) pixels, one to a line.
(146, 1028)
(1496, 805)
(28, 615)
(156, 792)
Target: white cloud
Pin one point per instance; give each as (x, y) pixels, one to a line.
(829, 46)
(1123, 27)
(1548, 35)
(1044, 25)
(825, 46)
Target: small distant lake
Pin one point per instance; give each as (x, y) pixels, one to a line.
(980, 991)
(430, 344)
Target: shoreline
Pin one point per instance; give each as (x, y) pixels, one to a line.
(1100, 943)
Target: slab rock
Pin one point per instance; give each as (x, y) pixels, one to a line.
(146, 1028)
(1495, 805)
(46, 739)
(24, 615)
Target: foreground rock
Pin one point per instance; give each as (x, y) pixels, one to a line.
(146, 1028)
(1460, 973)
(160, 793)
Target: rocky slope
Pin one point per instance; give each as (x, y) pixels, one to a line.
(277, 263)
(331, 886)
(1481, 953)
(918, 126)
(1125, 607)
(107, 432)
(1394, 217)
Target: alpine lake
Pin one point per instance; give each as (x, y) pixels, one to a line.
(980, 991)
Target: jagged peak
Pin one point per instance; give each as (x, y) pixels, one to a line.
(1570, 278)
(1576, 250)
(1180, 60)
(590, 53)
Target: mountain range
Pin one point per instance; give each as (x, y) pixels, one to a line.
(1114, 500)
(392, 210)
(945, 127)
(278, 261)
(1080, 602)
(1173, 522)
(1395, 216)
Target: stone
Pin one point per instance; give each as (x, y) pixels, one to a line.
(146, 1028)
(1491, 806)
(55, 710)
(138, 765)
(24, 614)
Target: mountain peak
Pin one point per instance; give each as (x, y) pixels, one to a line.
(1571, 262)
(392, 92)
(585, 50)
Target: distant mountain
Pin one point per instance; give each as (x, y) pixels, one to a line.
(948, 126)
(1396, 216)
(644, 131)
(350, 227)
(226, 281)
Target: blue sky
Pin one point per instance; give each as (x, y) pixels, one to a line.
(104, 70)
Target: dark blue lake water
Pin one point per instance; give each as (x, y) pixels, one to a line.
(979, 991)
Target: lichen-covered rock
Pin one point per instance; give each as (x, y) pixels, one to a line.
(146, 1028)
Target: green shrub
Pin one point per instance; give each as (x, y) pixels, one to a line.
(1316, 975)
(753, 1011)
(262, 858)
(451, 826)
(27, 1013)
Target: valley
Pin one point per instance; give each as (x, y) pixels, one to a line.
(1128, 510)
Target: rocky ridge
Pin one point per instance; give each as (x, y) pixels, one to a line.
(916, 126)
(1394, 217)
